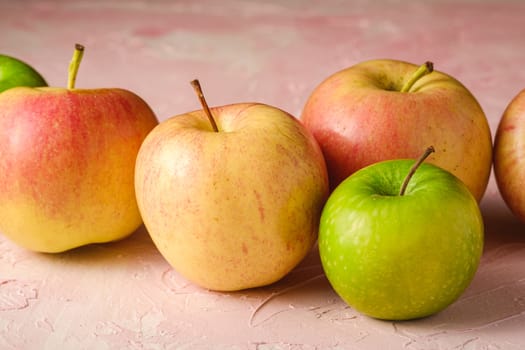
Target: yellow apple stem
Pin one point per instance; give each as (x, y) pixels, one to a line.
(73, 66)
(412, 171)
(197, 86)
(424, 69)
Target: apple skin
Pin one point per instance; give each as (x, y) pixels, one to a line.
(400, 257)
(359, 117)
(67, 162)
(233, 209)
(509, 155)
(14, 72)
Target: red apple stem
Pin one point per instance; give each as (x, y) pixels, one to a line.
(424, 69)
(412, 171)
(73, 66)
(198, 90)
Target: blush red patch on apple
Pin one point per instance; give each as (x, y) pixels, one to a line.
(126, 179)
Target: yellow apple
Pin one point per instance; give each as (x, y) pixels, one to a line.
(234, 208)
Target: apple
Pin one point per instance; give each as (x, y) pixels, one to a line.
(67, 159)
(399, 240)
(14, 72)
(387, 109)
(232, 195)
(509, 161)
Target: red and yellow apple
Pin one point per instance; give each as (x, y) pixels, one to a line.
(509, 155)
(67, 159)
(232, 197)
(386, 109)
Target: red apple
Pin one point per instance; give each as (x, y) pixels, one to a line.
(509, 155)
(386, 109)
(232, 197)
(67, 160)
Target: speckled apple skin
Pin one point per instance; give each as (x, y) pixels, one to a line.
(67, 162)
(400, 257)
(234, 209)
(359, 117)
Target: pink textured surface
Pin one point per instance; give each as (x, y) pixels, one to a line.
(124, 294)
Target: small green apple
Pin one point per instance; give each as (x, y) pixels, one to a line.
(400, 254)
(14, 72)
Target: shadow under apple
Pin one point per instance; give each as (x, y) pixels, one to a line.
(137, 247)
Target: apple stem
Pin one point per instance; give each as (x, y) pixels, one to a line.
(424, 69)
(73, 66)
(412, 171)
(197, 86)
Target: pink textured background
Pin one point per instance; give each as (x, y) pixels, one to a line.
(124, 295)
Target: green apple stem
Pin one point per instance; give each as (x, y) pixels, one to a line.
(73, 66)
(197, 86)
(424, 69)
(412, 171)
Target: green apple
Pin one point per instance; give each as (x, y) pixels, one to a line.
(231, 195)
(399, 254)
(509, 162)
(67, 159)
(14, 72)
(387, 109)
